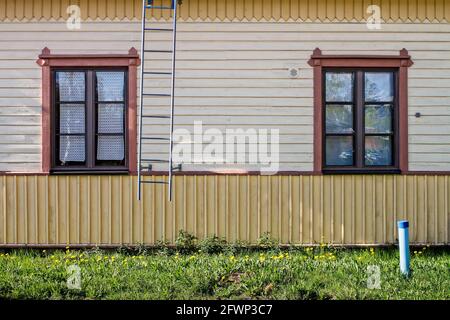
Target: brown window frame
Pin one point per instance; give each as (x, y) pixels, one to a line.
(398, 63)
(359, 133)
(91, 123)
(54, 62)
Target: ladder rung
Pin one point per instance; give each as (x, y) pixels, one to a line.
(157, 29)
(154, 182)
(157, 117)
(155, 138)
(159, 7)
(159, 51)
(153, 72)
(156, 94)
(155, 160)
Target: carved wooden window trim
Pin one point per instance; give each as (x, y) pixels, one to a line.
(401, 63)
(49, 62)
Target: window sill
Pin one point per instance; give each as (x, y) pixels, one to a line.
(60, 171)
(361, 171)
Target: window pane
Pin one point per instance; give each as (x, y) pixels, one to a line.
(71, 118)
(110, 118)
(339, 119)
(339, 87)
(378, 151)
(378, 119)
(72, 148)
(110, 148)
(71, 86)
(339, 151)
(110, 86)
(379, 86)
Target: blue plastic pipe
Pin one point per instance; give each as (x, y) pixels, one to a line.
(403, 246)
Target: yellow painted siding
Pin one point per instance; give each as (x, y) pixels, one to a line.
(230, 75)
(236, 10)
(339, 209)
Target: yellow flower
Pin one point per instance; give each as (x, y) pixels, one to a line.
(262, 259)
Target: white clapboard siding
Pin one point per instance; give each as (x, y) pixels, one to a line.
(230, 76)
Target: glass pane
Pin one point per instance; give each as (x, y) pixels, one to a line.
(71, 118)
(339, 119)
(379, 86)
(378, 119)
(110, 148)
(71, 86)
(110, 86)
(71, 148)
(110, 118)
(339, 151)
(339, 87)
(378, 151)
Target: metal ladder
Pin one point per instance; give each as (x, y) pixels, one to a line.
(148, 5)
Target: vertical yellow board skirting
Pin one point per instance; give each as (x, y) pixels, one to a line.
(298, 209)
(234, 10)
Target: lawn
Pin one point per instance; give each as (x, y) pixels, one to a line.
(228, 273)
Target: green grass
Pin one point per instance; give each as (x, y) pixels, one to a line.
(310, 273)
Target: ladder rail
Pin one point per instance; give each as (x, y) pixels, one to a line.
(172, 98)
(141, 96)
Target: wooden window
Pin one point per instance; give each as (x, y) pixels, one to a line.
(360, 119)
(89, 112)
(89, 119)
(360, 113)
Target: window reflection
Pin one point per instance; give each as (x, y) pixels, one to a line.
(379, 86)
(339, 87)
